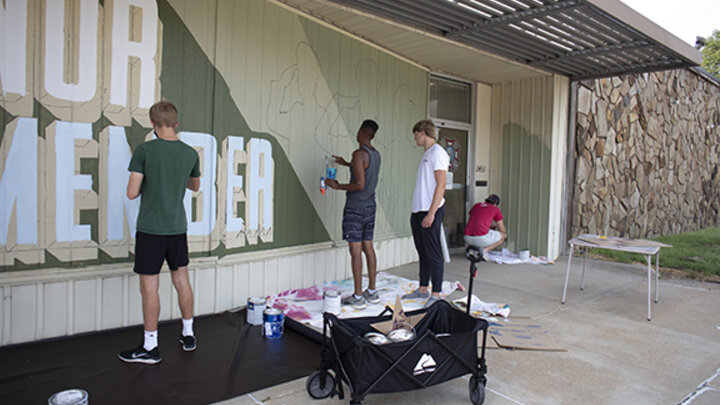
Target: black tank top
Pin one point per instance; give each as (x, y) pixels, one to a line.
(367, 194)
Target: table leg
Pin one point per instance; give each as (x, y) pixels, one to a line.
(567, 272)
(649, 274)
(657, 274)
(582, 282)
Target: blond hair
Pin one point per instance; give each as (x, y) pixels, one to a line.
(426, 127)
(163, 114)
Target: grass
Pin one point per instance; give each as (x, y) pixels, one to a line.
(693, 254)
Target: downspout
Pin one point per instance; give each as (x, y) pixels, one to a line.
(569, 184)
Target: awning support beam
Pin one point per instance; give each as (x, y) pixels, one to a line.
(591, 52)
(534, 12)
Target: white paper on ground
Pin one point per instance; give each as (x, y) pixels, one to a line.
(479, 306)
(305, 305)
(507, 257)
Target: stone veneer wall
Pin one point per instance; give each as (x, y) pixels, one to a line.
(646, 153)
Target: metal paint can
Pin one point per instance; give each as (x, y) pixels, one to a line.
(402, 333)
(74, 396)
(273, 323)
(377, 338)
(332, 302)
(255, 308)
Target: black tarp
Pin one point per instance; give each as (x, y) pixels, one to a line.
(232, 359)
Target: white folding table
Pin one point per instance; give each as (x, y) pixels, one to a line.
(643, 247)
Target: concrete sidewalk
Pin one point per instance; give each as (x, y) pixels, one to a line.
(614, 355)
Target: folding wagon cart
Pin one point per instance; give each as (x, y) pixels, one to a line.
(445, 347)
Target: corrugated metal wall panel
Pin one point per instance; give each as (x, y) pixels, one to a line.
(41, 310)
(23, 302)
(84, 303)
(520, 160)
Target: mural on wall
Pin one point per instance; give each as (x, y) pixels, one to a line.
(311, 87)
(75, 102)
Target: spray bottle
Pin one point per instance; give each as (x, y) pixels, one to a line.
(322, 179)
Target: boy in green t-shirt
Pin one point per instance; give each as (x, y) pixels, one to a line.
(161, 170)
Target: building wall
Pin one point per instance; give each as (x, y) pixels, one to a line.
(264, 96)
(41, 304)
(520, 160)
(647, 148)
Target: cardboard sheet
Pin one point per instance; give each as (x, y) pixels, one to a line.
(612, 241)
(522, 333)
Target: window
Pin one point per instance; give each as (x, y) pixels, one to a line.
(449, 99)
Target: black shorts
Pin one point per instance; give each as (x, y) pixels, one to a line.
(152, 250)
(359, 222)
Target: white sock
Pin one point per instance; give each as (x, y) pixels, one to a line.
(371, 291)
(151, 340)
(357, 297)
(188, 327)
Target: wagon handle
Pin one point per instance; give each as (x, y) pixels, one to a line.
(386, 310)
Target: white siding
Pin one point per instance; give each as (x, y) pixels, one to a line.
(41, 304)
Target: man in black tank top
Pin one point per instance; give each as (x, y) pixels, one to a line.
(359, 213)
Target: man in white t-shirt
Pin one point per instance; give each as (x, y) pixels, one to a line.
(428, 210)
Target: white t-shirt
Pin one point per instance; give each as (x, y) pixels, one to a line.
(435, 158)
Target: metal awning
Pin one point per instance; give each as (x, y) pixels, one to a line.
(577, 38)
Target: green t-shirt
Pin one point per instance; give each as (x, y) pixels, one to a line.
(166, 167)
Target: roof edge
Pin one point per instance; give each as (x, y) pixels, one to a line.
(635, 20)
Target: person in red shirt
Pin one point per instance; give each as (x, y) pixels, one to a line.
(478, 230)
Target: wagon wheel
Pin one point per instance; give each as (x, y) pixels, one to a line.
(477, 390)
(314, 388)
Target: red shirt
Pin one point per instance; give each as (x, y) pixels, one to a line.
(482, 216)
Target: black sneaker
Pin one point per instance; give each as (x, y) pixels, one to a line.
(140, 355)
(188, 343)
(373, 298)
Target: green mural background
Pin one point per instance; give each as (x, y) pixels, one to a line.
(254, 69)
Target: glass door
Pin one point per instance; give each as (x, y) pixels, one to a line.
(450, 107)
(455, 143)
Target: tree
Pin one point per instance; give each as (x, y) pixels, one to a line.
(711, 54)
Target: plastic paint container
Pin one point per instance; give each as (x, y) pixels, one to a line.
(331, 172)
(273, 323)
(255, 308)
(332, 302)
(74, 396)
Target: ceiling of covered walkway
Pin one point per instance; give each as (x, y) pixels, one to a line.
(493, 41)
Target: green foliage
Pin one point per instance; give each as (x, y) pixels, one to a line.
(696, 253)
(711, 54)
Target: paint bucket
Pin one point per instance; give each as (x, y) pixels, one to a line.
(74, 396)
(376, 338)
(332, 302)
(331, 172)
(255, 308)
(273, 323)
(403, 332)
(524, 254)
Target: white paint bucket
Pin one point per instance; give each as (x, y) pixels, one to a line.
(332, 302)
(73, 396)
(255, 308)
